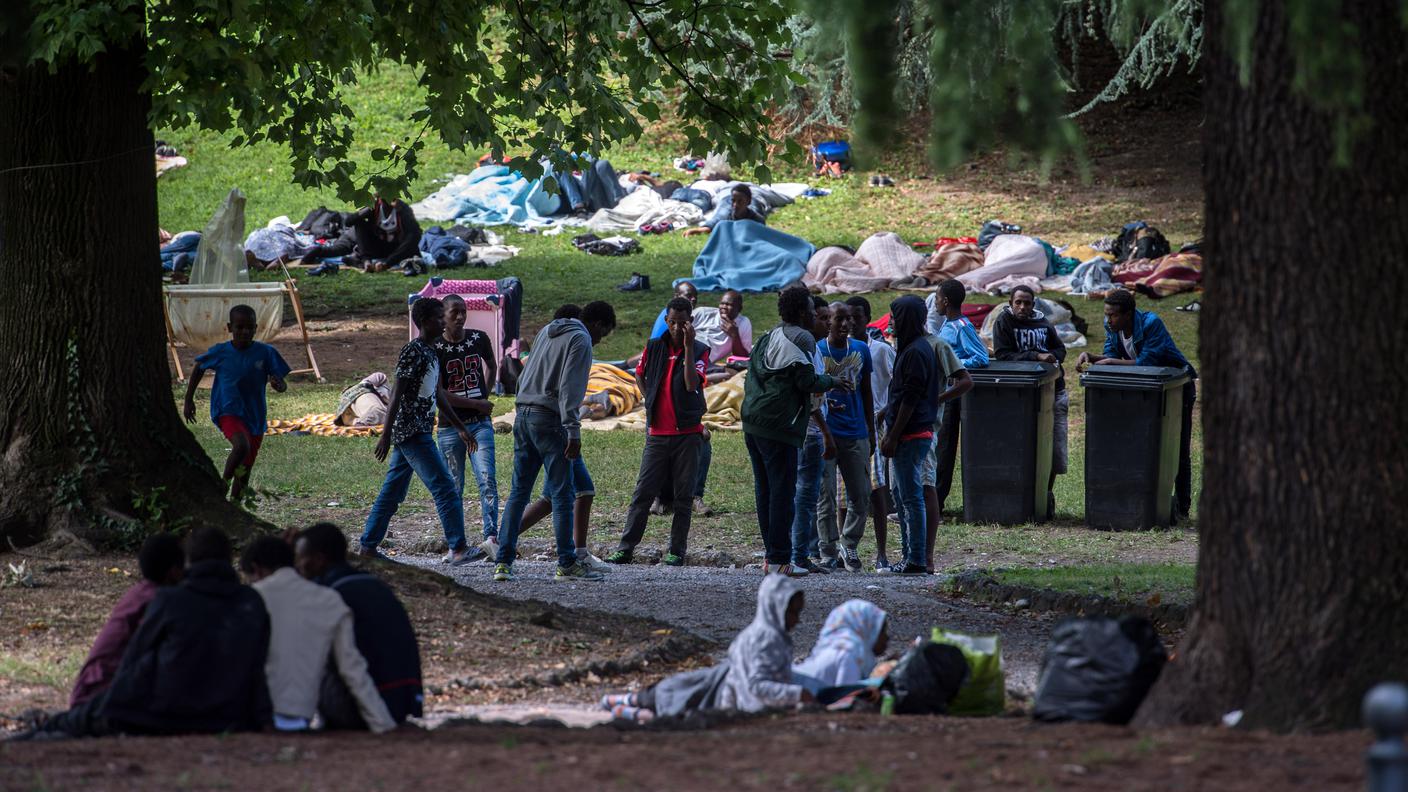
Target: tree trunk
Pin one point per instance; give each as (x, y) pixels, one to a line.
(87, 419)
(1304, 519)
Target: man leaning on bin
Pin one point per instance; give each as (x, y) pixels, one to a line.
(1139, 338)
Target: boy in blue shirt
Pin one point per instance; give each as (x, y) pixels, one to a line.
(850, 415)
(238, 403)
(972, 354)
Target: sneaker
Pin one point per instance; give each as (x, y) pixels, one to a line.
(577, 571)
(813, 567)
(673, 560)
(371, 553)
(620, 557)
(326, 268)
(702, 509)
(852, 561)
(503, 572)
(467, 555)
(833, 565)
(636, 714)
(490, 546)
(659, 508)
(614, 700)
(593, 563)
(903, 568)
(881, 562)
(793, 571)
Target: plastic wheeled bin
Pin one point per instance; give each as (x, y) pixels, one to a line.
(1006, 431)
(1133, 423)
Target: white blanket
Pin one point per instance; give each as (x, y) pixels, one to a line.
(643, 207)
(1007, 255)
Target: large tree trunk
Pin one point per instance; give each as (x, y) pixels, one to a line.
(87, 420)
(1304, 555)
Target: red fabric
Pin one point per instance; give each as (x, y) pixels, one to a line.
(232, 427)
(945, 241)
(977, 312)
(881, 324)
(664, 422)
(927, 434)
(107, 650)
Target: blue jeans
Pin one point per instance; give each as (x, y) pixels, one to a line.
(809, 467)
(538, 443)
(774, 485)
(481, 463)
(419, 456)
(907, 484)
(582, 483)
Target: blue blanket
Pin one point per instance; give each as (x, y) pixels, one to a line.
(491, 195)
(749, 257)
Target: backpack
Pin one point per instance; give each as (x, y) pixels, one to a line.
(1139, 240)
(831, 157)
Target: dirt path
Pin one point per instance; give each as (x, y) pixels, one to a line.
(717, 603)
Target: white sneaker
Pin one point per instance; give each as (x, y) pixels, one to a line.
(594, 564)
(490, 547)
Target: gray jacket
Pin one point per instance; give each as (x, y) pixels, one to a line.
(556, 375)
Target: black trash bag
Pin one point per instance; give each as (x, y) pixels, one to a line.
(926, 679)
(1098, 670)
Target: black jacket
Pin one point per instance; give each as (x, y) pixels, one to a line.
(196, 663)
(384, 637)
(689, 404)
(1024, 339)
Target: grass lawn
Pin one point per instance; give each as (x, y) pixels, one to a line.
(1130, 582)
(316, 477)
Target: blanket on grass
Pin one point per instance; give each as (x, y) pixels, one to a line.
(1161, 277)
(749, 257)
(641, 207)
(723, 407)
(1006, 256)
(883, 261)
(491, 195)
(320, 424)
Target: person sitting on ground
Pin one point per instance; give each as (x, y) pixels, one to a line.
(310, 634)
(365, 403)
(850, 415)
(380, 625)
(387, 235)
(756, 676)
(853, 637)
(958, 332)
(408, 436)
(882, 363)
(740, 206)
(1024, 333)
(239, 404)
(1139, 338)
(727, 332)
(671, 378)
(162, 562)
(196, 663)
(547, 433)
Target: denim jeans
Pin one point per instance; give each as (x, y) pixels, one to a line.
(481, 463)
(418, 456)
(582, 483)
(538, 443)
(774, 483)
(907, 485)
(809, 466)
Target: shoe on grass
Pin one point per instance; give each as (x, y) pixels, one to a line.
(503, 572)
(578, 571)
(619, 557)
(702, 509)
(673, 560)
(659, 508)
(593, 563)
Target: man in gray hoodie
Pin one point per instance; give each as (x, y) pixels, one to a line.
(547, 433)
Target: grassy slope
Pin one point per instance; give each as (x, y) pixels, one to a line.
(553, 272)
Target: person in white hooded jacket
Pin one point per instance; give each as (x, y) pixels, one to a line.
(854, 635)
(756, 676)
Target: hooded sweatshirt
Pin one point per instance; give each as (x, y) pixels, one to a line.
(1014, 338)
(555, 377)
(759, 673)
(782, 377)
(845, 651)
(916, 378)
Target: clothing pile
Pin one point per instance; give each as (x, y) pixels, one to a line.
(610, 246)
(645, 207)
(463, 246)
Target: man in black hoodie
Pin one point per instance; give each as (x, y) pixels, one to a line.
(196, 663)
(1024, 333)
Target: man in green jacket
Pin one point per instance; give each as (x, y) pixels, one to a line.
(777, 400)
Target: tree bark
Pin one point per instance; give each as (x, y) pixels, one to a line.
(87, 418)
(1300, 602)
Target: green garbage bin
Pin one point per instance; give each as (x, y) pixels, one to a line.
(1133, 423)
(1006, 431)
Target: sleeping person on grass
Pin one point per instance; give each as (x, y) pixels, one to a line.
(756, 676)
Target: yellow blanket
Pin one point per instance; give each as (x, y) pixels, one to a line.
(320, 424)
(614, 390)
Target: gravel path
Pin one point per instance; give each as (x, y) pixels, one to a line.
(717, 603)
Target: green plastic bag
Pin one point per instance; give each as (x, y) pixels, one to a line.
(985, 691)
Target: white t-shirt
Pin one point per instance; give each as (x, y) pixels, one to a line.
(1127, 341)
(708, 329)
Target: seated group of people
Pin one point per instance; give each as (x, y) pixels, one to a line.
(191, 649)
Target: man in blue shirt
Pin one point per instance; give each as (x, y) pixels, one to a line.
(958, 331)
(850, 415)
(238, 405)
(1139, 338)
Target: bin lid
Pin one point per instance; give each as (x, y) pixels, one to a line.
(1134, 377)
(1014, 374)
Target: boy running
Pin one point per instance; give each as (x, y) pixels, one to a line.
(238, 402)
(408, 436)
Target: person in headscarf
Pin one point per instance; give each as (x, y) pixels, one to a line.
(909, 433)
(756, 676)
(854, 635)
